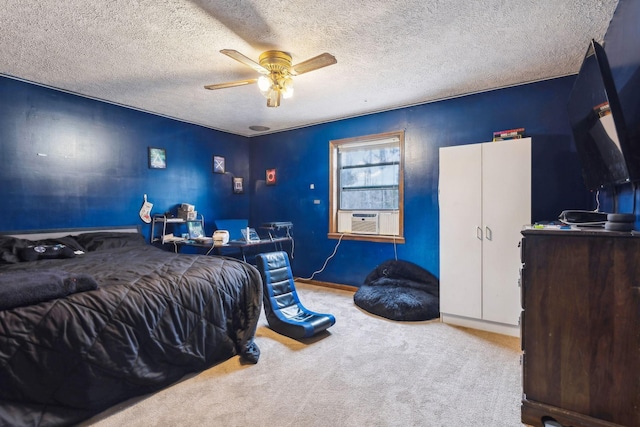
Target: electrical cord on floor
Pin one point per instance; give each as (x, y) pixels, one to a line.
(326, 261)
(335, 250)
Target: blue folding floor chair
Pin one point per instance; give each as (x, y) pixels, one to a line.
(285, 314)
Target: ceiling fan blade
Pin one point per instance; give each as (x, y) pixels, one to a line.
(231, 84)
(246, 61)
(314, 63)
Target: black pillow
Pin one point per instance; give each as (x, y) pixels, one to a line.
(9, 247)
(38, 252)
(69, 241)
(109, 239)
(12, 247)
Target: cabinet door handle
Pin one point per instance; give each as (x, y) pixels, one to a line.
(488, 233)
(479, 233)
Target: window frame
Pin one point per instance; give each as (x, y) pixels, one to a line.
(334, 190)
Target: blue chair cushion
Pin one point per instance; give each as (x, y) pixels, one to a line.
(283, 309)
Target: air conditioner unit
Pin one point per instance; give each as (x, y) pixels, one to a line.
(389, 223)
(364, 223)
(344, 221)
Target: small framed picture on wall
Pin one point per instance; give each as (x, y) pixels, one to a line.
(238, 185)
(157, 158)
(218, 164)
(271, 177)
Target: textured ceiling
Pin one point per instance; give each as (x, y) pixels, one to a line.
(156, 55)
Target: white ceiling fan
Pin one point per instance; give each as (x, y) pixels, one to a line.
(276, 81)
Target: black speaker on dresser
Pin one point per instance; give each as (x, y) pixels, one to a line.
(620, 222)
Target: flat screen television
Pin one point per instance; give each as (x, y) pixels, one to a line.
(598, 127)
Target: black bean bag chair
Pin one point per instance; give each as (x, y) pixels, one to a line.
(400, 290)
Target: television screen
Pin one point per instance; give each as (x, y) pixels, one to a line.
(598, 127)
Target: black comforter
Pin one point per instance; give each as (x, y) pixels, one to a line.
(154, 317)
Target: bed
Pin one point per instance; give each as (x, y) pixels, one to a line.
(111, 318)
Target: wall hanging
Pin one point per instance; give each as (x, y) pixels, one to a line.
(271, 176)
(218, 164)
(238, 185)
(157, 158)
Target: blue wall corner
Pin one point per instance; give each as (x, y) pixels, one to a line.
(95, 169)
(302, 158)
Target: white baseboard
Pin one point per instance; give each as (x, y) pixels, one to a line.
(483, 325)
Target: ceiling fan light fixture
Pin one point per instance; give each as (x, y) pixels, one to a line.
(275, 87)
(264, 84)
(275, 83)
(273, 100)
(287, 94)
(275, 61)
(287, 88)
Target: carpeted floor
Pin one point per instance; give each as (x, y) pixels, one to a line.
(364, 371)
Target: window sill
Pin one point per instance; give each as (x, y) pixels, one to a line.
(367, 237)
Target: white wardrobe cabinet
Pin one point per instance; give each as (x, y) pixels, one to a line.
(485, 200)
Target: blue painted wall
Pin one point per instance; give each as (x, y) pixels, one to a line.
(68, 161)
(95, 169)
(301, 158)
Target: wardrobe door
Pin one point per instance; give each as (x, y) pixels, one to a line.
(506, 209)
(461, 233)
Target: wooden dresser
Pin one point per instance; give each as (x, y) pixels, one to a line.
(581, 328)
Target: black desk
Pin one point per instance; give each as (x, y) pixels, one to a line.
(242, 246)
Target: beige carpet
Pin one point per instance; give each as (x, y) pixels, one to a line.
(365, 371)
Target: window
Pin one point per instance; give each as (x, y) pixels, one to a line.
(367, 187)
